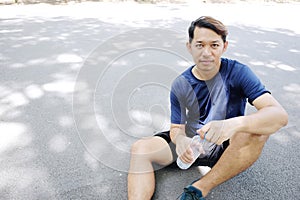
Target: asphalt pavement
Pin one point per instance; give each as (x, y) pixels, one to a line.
(81, 82)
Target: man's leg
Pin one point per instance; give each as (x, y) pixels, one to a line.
(243, 151)
(141, 181)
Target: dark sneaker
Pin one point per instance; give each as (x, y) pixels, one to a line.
(191, 193)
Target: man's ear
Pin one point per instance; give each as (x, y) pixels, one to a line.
(225, 46)
(189, 47)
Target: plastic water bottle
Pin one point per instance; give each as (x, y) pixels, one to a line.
(197, 148)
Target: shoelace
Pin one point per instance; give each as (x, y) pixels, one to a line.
(187, 191)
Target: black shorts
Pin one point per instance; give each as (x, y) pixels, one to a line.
(209, 160)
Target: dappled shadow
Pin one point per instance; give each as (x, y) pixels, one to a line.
(44, 157)
(274, 56)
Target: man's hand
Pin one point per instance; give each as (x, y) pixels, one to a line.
(183, 149)
(217, 131)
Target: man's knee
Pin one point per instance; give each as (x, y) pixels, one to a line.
(153, 149)
(139, 147)
(152, 145)
(240, 140)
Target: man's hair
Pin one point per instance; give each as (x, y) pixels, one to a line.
(210, 23)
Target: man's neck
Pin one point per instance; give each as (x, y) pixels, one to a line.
(205, 75)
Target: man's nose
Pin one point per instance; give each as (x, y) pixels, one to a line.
(206, 51)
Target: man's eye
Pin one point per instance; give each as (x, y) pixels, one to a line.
(215, 45)
(199, 45)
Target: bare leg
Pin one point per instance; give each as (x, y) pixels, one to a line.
(141, 179)
(243, 151)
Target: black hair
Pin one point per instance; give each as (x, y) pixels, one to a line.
(210, 23)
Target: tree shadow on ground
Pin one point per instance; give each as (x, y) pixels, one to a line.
(55, 146)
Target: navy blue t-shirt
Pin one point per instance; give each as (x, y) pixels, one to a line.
(195, 102)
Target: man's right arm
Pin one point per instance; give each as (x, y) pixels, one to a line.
(177, 131)
(182, 142)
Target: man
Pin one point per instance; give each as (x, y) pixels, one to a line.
(209, 99)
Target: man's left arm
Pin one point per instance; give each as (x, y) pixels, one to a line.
(268, 119)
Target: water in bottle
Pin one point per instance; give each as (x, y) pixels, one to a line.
(197, 148)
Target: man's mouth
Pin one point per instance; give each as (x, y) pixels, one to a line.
(206, 61)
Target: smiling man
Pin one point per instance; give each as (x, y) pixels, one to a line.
(208, 99)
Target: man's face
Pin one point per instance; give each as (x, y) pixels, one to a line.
(206, 49)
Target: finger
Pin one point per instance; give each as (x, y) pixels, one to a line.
(215, 137)
(189, 152)
(211, 136)
(201, 149)
(186, 159)
(203, 130)
(221, 140)
(188, 155)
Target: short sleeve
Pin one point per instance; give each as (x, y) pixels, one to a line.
(250, 84)
(178, 109)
